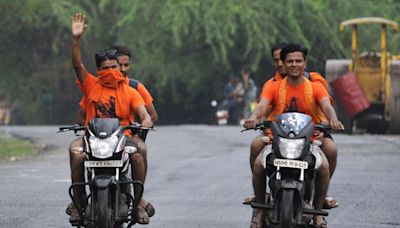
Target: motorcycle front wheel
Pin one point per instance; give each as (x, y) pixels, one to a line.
(103, 210)
(287, 210)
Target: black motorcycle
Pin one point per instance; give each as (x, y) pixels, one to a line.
(110, 202)
(290, 163)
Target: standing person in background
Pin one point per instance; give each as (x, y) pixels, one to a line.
(233, 94)
(250, 93)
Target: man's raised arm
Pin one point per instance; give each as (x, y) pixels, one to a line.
(78, 28)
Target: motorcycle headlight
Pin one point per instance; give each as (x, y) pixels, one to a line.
(103, 148)
(291, 148)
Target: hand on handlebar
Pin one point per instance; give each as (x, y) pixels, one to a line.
(318, 135)
(250, 123)
(336, 125)
(147, 124)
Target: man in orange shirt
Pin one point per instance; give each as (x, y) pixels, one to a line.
(107, 96)
(124, 56)
(295, 86)
(328, 146)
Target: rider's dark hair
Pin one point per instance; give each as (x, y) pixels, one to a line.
(121, 50)
(278, 46)
(293, 48)
(105, 54)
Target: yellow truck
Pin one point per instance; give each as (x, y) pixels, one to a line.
(378, 76)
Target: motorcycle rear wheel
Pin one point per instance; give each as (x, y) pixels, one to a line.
(287, 211)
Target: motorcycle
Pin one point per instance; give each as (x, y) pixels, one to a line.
(290, 163)
(221, 112)
(110, 202)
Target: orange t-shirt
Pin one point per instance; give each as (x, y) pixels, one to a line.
(148, 99)
(106, 106)
(271, 92)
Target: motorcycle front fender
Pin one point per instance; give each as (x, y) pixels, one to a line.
(277, 185)
(102, 182)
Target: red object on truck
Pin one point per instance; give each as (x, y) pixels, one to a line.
(350, 94)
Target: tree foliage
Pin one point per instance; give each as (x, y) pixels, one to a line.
(183, 50)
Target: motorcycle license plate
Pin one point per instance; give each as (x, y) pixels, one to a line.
(290, 163)
(109, 163)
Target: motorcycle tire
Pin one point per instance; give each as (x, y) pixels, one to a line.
(287, 211)
(103, 210)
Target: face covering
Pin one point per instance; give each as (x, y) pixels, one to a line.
(110, 77)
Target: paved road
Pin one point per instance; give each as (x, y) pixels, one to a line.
(198, 176)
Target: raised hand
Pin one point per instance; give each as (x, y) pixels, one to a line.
(78, 25)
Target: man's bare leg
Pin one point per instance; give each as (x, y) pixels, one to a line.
(255, 149)
(330, 150)
(257, 145)
(259, 190)
(77, 158)
(321, 187)
(139, 171)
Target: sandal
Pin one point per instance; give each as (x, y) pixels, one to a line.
(70, 208)
(150, 209)
(249, 199)
(257, 222)
(322, 225)
(329, 203)
(141, 216)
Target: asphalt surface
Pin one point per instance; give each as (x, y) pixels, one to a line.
(198, 176)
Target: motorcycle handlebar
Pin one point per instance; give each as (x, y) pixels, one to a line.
(138, 126)
(74, 128)
(262, 125)
(322, 127)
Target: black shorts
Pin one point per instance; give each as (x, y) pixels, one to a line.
(130, 142)
(327, 134)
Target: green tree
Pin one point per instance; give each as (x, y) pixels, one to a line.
(183, 50)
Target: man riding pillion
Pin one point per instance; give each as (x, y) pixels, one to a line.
(108, 96)
(328, 146)
(310, 98)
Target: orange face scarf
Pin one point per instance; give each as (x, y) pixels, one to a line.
(112, 79)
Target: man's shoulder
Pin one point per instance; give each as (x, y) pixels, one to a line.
(317, 86)
(134, 83)
(90, 78)
(315, 76)
(271, 84)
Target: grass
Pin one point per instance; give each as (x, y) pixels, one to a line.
(11, 147)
